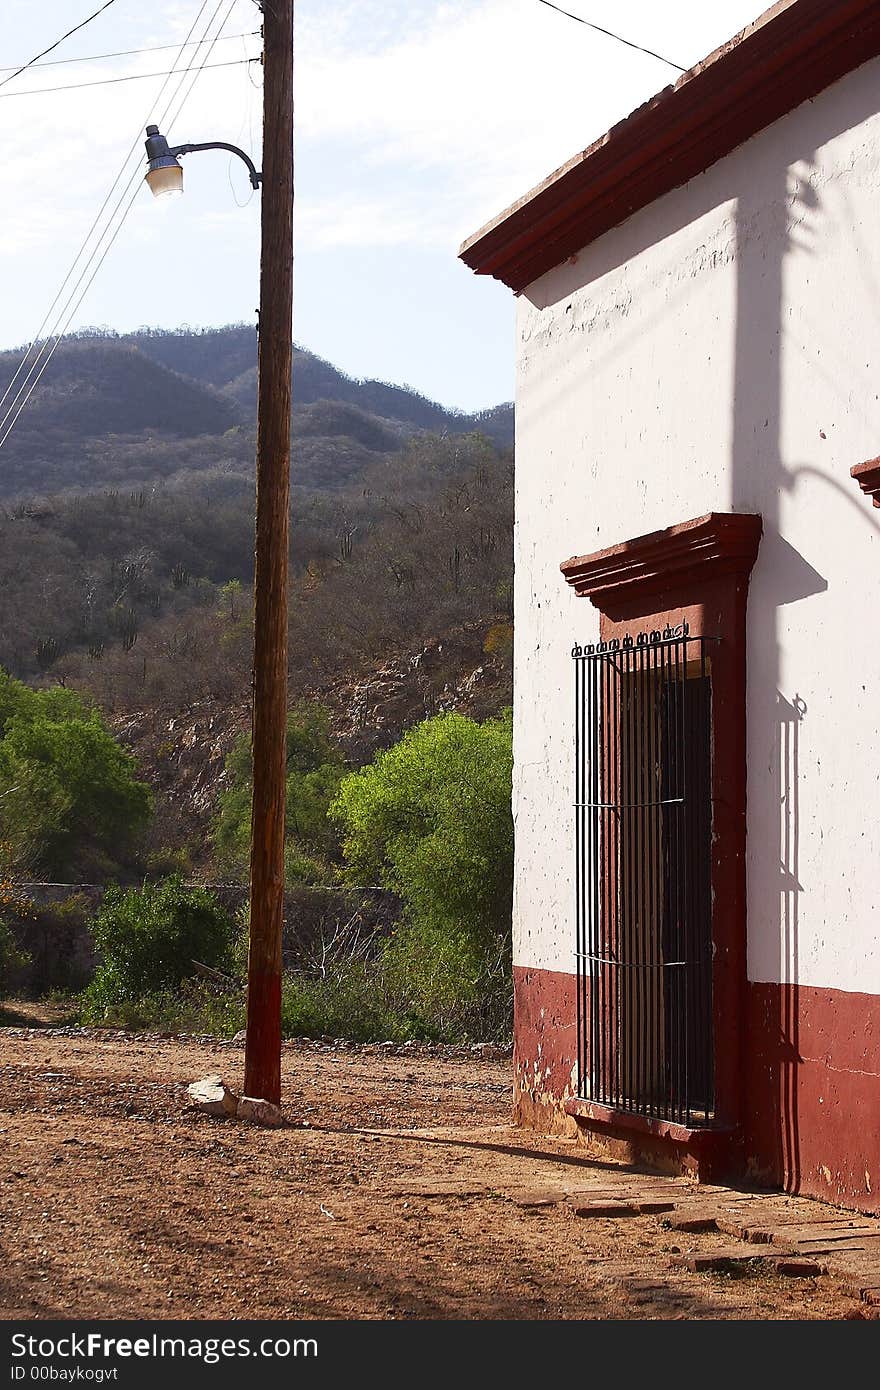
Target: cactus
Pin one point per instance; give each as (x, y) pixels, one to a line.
(346, 543)
(126, 624)
(454, 564)
(47, 652)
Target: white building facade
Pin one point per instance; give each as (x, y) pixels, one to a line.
(697, 615)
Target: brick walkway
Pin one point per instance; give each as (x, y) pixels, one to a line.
(799, 1236)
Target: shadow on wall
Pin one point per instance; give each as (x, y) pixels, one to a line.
(784, 572)
(791, 714)
(765, 217)
(779, 215)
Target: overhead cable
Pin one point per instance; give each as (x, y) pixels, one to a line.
(38, 337)
(175, 115)
(611, 35)
(133, 52)
(8, 428)
(52, 46)
(131, 77)
(76, 296)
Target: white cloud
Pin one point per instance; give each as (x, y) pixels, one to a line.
(325, 224)
(486, 98)
(428, 117)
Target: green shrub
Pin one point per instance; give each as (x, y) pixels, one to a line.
(168, 860)
(314, 769)
(349, 1005)
(405, 992)
(194, 1007)
(58, 945)
(12, 958)
(430, 818)
(148, 939)
(13, 907)
(364, 1003)
(499, 642)
(69, 797)
(450, 986)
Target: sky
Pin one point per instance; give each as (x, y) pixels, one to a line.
(416, 122)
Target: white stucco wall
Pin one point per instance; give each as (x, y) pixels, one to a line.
(721, 351)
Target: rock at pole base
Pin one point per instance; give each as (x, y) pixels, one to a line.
(259, 1112)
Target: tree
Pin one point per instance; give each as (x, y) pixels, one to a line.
(69, 796)
(431, 819)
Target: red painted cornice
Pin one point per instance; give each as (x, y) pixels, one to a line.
(867, 475)
(720, 543)
(792, 52)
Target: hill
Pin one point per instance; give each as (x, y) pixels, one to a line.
(96, 396)
(227, 358)
(125, 411)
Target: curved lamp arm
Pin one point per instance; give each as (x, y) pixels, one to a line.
(255, 177)
(164, 173)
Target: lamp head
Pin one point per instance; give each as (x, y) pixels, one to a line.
(164, 171)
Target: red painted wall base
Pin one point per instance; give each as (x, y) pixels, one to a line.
(812, 1092)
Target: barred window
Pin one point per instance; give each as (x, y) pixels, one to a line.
(643, 878)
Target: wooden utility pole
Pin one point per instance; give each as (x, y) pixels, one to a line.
(262, 1065)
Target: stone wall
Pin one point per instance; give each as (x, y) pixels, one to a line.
(56, 934)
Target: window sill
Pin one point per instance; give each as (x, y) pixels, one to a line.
(608, 1119)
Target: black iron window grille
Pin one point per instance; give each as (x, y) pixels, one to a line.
(644, 900)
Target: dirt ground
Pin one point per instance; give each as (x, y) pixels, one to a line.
(397, 1188)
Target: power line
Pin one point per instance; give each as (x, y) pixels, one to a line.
(76, 296)
(63, 319)
(610, 35)
(49, 312)
(58, 328)
(60, 334)
(133, 52)
(132, 77)
(175, 115)
(133, 147)
(82, 24)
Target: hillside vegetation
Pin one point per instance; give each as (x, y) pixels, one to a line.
(126, 640)
(143, 598)
(131, 581)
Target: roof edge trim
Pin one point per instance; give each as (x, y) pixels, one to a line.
(790, 53)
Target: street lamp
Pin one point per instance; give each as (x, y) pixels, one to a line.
(262, 1054)
(164, 171)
